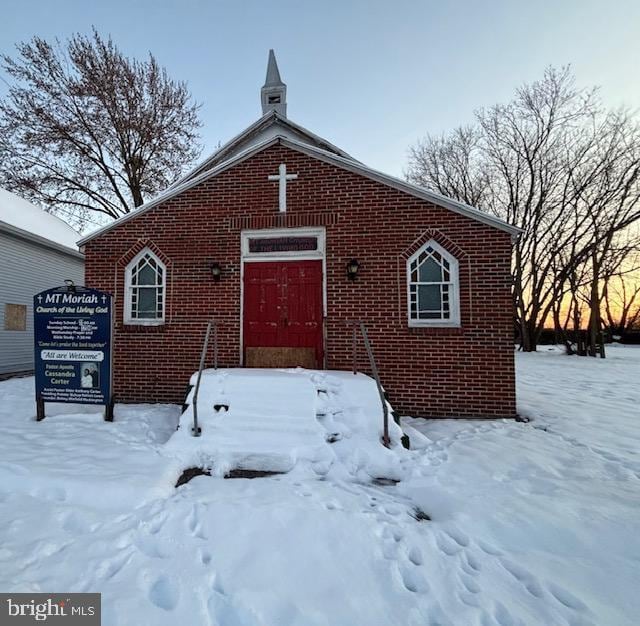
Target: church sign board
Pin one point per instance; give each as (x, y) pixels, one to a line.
(282, 244)
(72, 343)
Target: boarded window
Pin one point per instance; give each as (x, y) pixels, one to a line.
(15, 317)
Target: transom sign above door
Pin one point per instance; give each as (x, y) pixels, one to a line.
(308, 243)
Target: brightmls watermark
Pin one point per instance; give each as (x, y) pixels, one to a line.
(55, 609)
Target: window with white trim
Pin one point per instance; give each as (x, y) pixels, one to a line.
(433, 290)
(145, 280)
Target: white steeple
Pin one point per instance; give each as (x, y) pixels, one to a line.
(274, 92)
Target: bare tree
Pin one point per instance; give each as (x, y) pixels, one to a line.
(555, 164)
(85, 130)
(611, 202)
(453, 165)
(621, 296)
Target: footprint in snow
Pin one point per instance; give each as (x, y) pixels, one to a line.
(470, 564)
(150, 546)
(523, 576)
(390, 549)
(390, 532)
(74, 523)
(392, 510)
(415, 556)
(412, 579)
(469, 583)
(112, 566)
(489, 549)
(194, 524)
(205, 557)
(518, 572)
(222, 609)
(164, 593)
(502, 615)
(470, 599)
(457, 535)
(155, 525)
(124, 540)
(566, 598)
(321, 468)
(447, 545)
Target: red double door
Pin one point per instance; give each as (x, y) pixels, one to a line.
(282, 314)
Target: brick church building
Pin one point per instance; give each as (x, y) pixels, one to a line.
(284, 239)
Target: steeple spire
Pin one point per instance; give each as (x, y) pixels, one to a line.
(274, 92)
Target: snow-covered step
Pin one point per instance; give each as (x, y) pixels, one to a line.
(270, 423)
(277, 418)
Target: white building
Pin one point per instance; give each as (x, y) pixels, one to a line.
(37, 251)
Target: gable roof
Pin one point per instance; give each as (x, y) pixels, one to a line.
(28, 221)
(346, 163)
(271, 124)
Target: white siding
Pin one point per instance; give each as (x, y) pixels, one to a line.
(27, 268)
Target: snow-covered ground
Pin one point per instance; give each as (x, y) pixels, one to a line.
(531, 523)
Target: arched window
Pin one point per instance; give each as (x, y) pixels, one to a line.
(145, 279)
(433, 291)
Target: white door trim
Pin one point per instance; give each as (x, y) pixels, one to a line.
(303, 255)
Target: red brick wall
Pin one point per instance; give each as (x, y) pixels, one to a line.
(467, 371)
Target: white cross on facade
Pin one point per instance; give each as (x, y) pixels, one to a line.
(282, 177)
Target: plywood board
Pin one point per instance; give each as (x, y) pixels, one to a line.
(15, 317)
(281, 357)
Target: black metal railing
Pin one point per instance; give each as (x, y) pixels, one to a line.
(359, 325)
(196, 430)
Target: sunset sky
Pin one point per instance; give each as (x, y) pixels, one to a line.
(369, 76)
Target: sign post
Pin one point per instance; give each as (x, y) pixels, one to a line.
(72, 343)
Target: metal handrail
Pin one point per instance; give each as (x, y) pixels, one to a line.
(196, 431)
(386, 441)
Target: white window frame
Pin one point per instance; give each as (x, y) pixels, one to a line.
(454, 290)
(128, 291)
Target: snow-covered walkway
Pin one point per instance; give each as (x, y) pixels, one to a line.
(532, 523)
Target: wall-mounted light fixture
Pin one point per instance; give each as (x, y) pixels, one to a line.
(70, 285)
(352, 269)
(216, 271)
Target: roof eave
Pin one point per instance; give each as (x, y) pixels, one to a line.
(42, 241)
